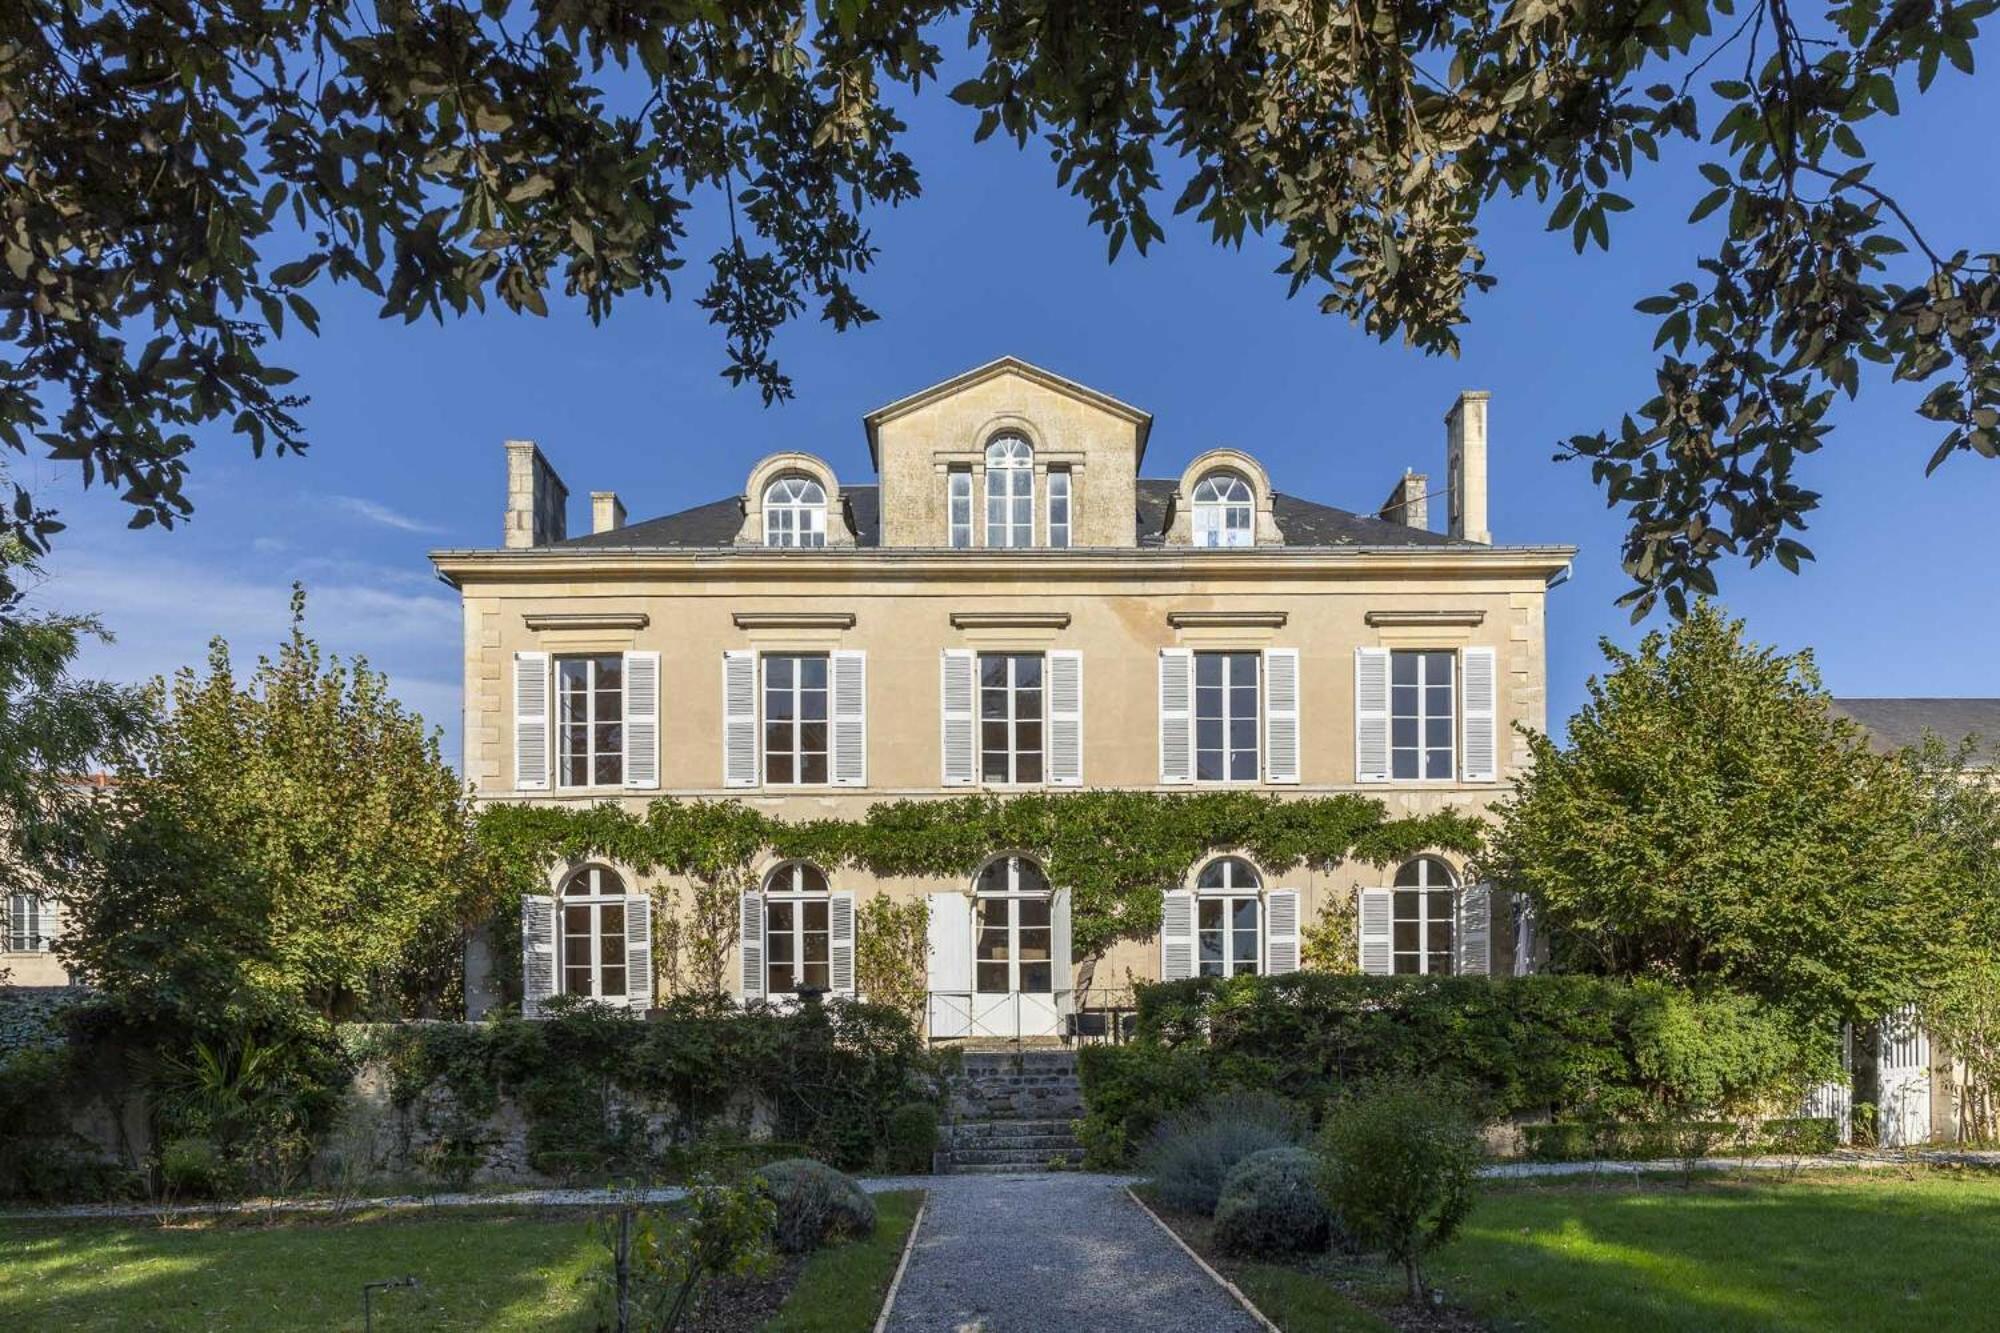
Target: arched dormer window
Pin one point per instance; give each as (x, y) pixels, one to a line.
(1224, 511)
(1014, 942)
(1010, 492)
(1228, 918)
(1424, 911)
(591, 934)
(798, 929)
(795, 512)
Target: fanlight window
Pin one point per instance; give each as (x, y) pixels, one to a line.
(798, 939)
(1228, 909)
(1015, 941)
(1010, 492)
(1424, 915)
(795, 512)
(590, 921)
(1223, 506)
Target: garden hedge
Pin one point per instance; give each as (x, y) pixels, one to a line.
(1572, 1047)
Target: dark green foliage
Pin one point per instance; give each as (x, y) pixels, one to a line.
(815, 1204)
(1271, 1205)
(1580, 1046)
(1399, 1165)
(912, 1138)
(1610, 1140)
(1194, 1149)
(194, 1168)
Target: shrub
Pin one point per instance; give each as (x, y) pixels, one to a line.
(1400, 1166)
(1801, 1134)
(1271, 1204)
(193, 1167)
(911, 1139)
(815, 1204)
(1193, 1151)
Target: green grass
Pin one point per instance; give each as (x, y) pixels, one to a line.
(1849, 1250)
(841, 1289)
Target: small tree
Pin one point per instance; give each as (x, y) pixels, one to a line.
(1399, 1164)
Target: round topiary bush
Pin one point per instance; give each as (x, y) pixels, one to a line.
(815, 1204)
(1193, 1150)
(1271, 1204)
(911, 1139)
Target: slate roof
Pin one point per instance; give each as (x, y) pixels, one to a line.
(1894, 724)
(1303, 522)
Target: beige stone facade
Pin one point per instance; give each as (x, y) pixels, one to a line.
(1313, 601)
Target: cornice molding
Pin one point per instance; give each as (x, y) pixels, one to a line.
(1425, 618)
(1010, 619)
(793, 619)
(561, 620)
(1227, 619)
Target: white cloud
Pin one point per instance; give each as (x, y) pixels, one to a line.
(380, 513)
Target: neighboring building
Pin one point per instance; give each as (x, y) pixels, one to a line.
(34, 921)
(1010, 606)
(1898, 724)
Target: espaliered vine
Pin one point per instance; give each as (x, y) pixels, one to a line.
(1113, 850)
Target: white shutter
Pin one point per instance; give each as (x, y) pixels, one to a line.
(1065, 719)
(1281, 931)
(538, 952)
(1177, 935)
(1472, 938)
(739, 719)
(1176, 715)
(751, 937)
(1371, 714)
(850, 719)
(639, 993)
(956, 700)
(642, 720)
(840, 942)
(1281, 715)
(1478, 692)
(531, 721)
(948, 964)
(1060, 950)
(1377, 921)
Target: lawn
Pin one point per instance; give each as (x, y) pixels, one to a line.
(485, 1270)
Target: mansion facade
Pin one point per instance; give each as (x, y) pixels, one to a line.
(1009, 605)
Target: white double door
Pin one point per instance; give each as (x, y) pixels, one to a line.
(1903, 1072)
(999, 964)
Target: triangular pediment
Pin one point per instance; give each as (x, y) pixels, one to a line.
(996, 369)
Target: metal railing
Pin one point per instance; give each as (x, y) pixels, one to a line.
(1074, 1016)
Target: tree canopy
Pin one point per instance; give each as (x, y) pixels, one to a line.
(1711, 821)
(180, 174)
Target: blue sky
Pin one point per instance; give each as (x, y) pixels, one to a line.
(407, 421)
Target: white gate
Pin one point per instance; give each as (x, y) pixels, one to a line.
(1903, 1119)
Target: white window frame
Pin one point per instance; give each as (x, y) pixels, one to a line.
(788, 883)
(1228, 894)
(1013, 895)
(1212, 529)
(1426, 922)
(25, 914)
(806, 516)
(1227, 718)
(1013, 691)
(1059, 495)
(592, 693)
(958, 507)
(595, 902)
(796, 723)
(1423, 717)
(1010, 462)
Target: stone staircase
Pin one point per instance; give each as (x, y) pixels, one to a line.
(1013, 1111)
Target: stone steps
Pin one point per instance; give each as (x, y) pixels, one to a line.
(1013, 1111)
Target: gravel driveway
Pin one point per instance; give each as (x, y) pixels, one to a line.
(1060, 1251)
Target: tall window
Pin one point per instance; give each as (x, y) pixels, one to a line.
(1222, 511)
(1016, 939)
(1425, 909)
(798, 943)
(1225, 717)
(1421, 725)
(1010, 717)
(794, 513)
(1010, 492)
(30, 923)
(593, 934)
(795, 727)
(958, 496)
(1059, 507)
(1226, 918)
(590, 698)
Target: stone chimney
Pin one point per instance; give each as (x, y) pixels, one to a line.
(1465, 466)
(1409, 504)
(607, 512)
(537, 500)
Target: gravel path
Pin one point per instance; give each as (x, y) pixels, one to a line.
(1061, 1251)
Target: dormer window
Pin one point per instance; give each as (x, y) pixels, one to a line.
(1010, 492)
(1223, 507)
(795, 513)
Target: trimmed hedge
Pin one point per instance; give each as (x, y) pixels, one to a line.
(1583, 1141)
(1584, 1048)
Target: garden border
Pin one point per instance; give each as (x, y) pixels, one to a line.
(1235, 1291)
(902, 1265)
